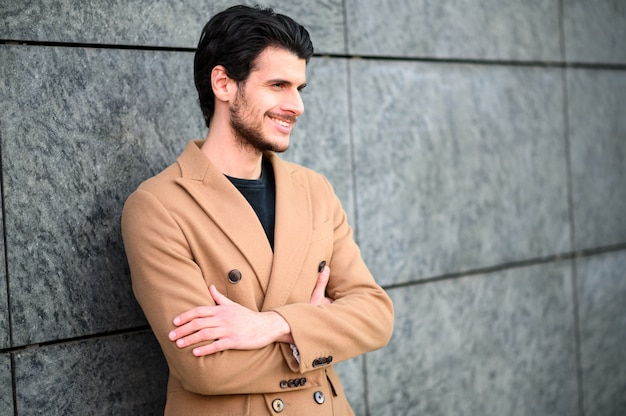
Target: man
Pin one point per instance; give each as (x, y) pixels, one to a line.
(244, 264)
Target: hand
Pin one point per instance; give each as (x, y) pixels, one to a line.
(232, 326)
(229, 325)
(318, 297)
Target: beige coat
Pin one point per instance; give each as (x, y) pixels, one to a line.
(189, 227)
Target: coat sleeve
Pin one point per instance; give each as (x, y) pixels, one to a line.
(361, 317)
(167, 281)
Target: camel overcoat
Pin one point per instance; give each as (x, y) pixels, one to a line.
(189, 227)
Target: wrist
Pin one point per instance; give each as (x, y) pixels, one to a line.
(280, 328)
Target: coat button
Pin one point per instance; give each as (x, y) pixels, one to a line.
(234, 276)
(278, 405)
(284, 384)
(319, 397)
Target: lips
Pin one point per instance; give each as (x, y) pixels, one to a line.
(283, 120)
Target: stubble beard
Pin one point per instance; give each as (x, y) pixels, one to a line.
(248, 135)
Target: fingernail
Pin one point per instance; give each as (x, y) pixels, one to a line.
(321, 266)
(176, 321)
(172, 335)
(180, 343)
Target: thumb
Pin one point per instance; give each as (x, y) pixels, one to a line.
(319, 293)
(218, 297)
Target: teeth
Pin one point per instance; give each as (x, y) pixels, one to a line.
(281, 122)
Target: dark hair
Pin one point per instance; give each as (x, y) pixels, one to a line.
(234, 38)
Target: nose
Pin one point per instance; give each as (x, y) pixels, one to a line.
(293, 103)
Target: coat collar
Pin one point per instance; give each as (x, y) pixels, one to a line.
(224, 204)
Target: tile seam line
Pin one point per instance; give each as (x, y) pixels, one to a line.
(23, 42)
(569, 256)
(570, 202)
(390, 58)
(49, 343)
(6, 276)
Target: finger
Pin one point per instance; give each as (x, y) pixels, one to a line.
(203, 336)
(218, 297)
(216, 346)
(189, 328)
(195, 313)
(319, 292)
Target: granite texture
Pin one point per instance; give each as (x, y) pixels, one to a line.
(351, 373)
(461, 29)
(321, 140)
(602, 296)
(5, 328)
(117, 375)
(490, 345)
(457, 166)
(81, 128)
(597, 130)
(6, 386)
(595, 31)
(153, 23)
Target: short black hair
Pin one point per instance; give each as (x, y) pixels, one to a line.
(234, 38)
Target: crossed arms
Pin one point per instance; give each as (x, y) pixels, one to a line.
(234, 327)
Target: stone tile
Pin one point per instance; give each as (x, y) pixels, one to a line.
(154, 23)
(5, 340)
(118, 375)
(470, 29)
(595, 31)
(597, 130)
(81, 128)
(602, 296)
(321, 140)
(351, 375)
(6, 386)
(490, 345)
(457, 167)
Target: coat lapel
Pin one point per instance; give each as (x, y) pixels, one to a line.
(228, 209)
(292, 232)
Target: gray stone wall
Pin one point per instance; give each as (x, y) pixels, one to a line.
(479, 147)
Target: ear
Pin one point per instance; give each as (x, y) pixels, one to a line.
(223, 86)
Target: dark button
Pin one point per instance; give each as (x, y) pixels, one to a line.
(319, 397)
(321, 266)
(284, 384)
(278, 405)
(318, 362)
(302, 381)
(291, 383)
(234, 276)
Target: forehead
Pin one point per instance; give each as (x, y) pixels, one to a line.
(279, 63)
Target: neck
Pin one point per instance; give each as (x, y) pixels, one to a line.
(229, 156)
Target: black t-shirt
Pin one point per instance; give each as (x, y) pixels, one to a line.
(261, 194)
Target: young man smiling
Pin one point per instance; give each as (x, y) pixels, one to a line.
(244, 264)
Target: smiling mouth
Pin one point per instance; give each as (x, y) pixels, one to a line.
(285, 121)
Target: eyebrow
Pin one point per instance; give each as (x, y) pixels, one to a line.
(284, 81)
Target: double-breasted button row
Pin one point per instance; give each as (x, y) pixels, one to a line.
(234, 276)
(278, 405)
(318, 362)
(293, 382)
